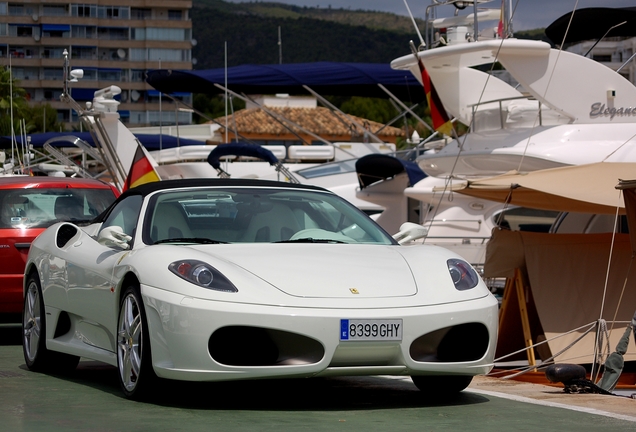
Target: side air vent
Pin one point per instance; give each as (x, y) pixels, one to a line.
(65, 233)
(63, 325)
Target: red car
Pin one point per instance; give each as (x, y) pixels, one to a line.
(29, 205)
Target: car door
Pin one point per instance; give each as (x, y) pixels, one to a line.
(91, 284)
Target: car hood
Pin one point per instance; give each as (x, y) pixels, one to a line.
(326, 270)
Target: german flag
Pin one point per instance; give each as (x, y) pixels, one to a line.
(141, 171)
(441, 122)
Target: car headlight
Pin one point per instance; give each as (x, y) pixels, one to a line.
(201, 274)
(463, 275)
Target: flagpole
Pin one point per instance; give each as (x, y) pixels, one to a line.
(415, 24)
(160, 121)
(13, 141)
(226, 135)
(441, 122)
(476, 22)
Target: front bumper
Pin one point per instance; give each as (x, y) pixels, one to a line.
(307, 340)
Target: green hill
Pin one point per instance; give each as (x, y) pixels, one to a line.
(371, 19)
(308, 34)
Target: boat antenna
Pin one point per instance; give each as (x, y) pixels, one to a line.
(603, 37)
(13, 140)
(161, 118)
(422, 43)
(280, 47)
(226, 95)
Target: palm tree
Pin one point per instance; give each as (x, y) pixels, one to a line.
(12, 101)
(37, 118)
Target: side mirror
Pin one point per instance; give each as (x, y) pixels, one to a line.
(113, 236)
(410, 231)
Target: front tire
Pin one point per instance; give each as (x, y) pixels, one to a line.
(441, 385)
(134, 361)
(36, 355)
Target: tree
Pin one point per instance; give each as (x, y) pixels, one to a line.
(12, 101)
(43, 118)
(214, 106)
(37, 118)
(379, 110)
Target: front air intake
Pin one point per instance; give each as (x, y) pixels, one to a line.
(461, 343)
(256, 346)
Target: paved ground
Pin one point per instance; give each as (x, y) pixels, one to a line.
(90, 399)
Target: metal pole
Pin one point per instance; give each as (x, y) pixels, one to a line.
(476, 21)
(415, 24)
(160, 119)
(226, 95)
(13, 141)
(410, 111)
(280, 47)
(348, 117)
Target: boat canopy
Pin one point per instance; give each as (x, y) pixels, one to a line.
(240, 149)
(149, 141)
(376, 167)
(592, 24)
(326, 78)
(588, 188)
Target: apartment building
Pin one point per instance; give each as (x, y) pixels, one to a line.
(614, 52)
(114, 41)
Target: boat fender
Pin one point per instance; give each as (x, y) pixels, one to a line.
(562, 373)
(573, 378)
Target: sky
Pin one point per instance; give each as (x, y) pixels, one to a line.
(529, 14)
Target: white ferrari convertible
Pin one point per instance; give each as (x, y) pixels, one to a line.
(212, 279)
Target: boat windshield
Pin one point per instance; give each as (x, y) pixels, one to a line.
(327, 169)
(249, 214)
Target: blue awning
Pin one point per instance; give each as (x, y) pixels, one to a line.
(326, 78)
(56, 27)
(156, 93)
(149, 141)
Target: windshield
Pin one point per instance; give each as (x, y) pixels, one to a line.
(248, 215)
(41, 208)
(327, 169)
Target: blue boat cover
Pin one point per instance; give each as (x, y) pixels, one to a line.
(377, 167)
(592, 24)
(326, 78)
(240, 149)
(149, 141)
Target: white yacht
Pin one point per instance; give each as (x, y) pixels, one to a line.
(549, 108)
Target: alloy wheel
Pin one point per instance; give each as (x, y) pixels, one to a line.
(31, 325)
(129, 342)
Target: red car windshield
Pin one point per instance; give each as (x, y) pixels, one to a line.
(41, 208)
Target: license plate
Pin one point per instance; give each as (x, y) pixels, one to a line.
(370, 329)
